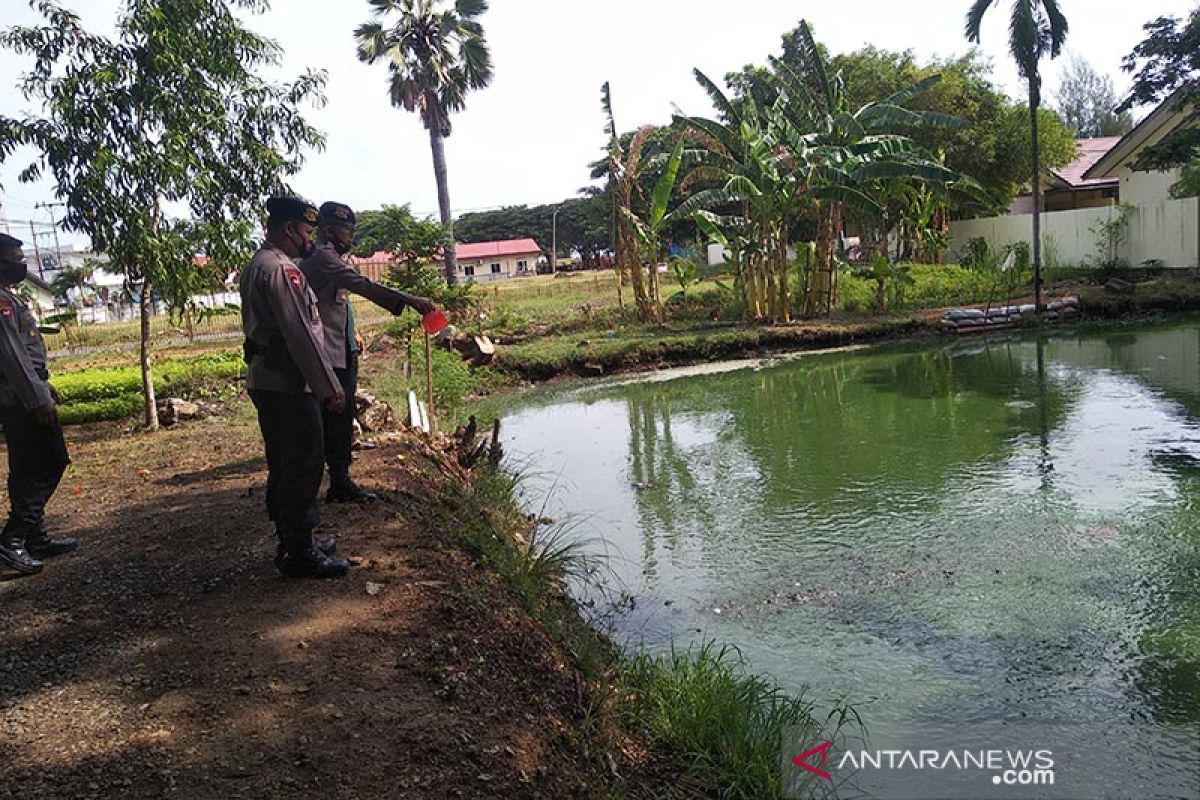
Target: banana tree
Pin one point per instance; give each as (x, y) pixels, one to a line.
(853, 147)
(648, 231)
(624, 169)
(754, 183)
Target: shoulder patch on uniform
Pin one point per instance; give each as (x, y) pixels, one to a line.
(6, 306)
(295, 277)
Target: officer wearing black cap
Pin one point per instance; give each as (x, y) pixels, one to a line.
(333, 280)
(37, 454)
(289, 380)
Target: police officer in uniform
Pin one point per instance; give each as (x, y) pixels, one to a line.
(289, 380)
(333, 280)
(37, 454)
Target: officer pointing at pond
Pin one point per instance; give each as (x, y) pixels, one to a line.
(289, 380)
(37, 454)
(332, 280)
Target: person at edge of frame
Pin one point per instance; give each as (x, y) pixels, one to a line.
(333, 280)
(289, 379)
(37, 453)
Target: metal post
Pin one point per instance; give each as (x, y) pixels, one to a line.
(54, 226)
(554, 242)
(37, 251)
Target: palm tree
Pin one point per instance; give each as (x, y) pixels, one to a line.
(435, 57)
(1036, 27)
(78, 278)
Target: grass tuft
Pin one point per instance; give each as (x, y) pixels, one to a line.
(703, 709)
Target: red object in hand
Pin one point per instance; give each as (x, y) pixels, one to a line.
(434, 321)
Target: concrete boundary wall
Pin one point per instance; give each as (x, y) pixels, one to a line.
(1168, 231)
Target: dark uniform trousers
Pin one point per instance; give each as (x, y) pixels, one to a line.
(339, 427)
(37, 458)
(291, 431)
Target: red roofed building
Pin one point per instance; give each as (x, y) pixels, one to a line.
(483, 261)
(489, 261)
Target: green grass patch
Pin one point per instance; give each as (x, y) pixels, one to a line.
(719, 727)
(120, 407)
(933, 286)
(110, 393)
(726, 726)
(604, 352)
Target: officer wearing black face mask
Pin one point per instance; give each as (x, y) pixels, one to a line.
(37, 454)
(289, 379)
(333, 280)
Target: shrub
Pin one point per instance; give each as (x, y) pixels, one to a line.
(107, 393)
(112, 408)
(725, 724)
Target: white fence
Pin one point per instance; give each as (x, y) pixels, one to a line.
(1168, 231)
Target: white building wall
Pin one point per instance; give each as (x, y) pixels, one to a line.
(510, 267)
(1168, 230)
(1138, 188)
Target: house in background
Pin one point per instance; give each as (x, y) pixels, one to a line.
(1141, 187)
(490, 261)
(480, 261)
(40, 294)
(1067, 187)
(1158, 228)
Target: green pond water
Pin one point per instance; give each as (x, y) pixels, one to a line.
(966, 532)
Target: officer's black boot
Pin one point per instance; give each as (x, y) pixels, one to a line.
(302, 560)
(41, 544)
(13, 553)
(343, 489)
(326, 545)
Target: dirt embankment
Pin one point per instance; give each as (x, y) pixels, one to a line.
(166, 658)
(538, 359)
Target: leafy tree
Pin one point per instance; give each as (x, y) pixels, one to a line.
(169, 111)
(394, 229)
(1036, 28)
(435, 57)
(584, 225)
(180, 288)
(992, 150)
(413, 245)
(1166, 64)
(1087, 102)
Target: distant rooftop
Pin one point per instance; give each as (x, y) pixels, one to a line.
(507, 247)
(1090, 151)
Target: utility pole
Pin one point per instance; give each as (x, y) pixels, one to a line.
(554, 242)
(37, 251)
(54, 225)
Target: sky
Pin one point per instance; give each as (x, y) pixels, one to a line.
(528, 138)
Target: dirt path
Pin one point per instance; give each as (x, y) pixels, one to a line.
(166, 658)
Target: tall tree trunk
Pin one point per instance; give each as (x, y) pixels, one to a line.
(822, 284)
(839, 230)
(656, 292)
(771, 306)
(785, 292)
(147, 381)
(1034, 99)
(437, 145)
